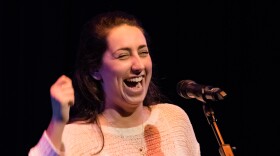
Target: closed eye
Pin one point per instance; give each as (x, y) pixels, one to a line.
(143, 53)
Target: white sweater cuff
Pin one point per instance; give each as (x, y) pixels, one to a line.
(45, 147)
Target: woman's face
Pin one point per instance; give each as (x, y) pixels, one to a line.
(126, 68)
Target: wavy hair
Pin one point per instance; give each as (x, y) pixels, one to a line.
(89, 95)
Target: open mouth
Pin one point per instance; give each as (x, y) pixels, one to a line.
(133, 82)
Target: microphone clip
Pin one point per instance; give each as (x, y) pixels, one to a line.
(212, 94)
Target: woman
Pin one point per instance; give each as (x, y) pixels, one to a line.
(115, 107)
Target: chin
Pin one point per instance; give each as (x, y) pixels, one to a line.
(135, 102)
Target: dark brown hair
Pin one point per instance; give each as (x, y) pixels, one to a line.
(89, 96)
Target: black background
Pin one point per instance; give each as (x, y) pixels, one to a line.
(229, 44)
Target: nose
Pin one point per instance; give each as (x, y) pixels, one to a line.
(137, 65)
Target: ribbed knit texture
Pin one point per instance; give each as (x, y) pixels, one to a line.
(168, 132)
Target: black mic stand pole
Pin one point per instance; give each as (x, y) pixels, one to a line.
(224, 149)
(203, 94)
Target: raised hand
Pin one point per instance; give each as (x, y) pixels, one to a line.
(62, 98)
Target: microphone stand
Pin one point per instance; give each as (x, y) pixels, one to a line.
(189, 89)
(224, 149)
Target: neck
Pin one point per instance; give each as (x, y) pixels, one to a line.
(124, 119)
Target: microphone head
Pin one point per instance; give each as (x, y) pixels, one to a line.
(183, 88)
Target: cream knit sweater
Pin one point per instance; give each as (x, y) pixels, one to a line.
(167, 132)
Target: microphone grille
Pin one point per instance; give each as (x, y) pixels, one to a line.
(182, 88)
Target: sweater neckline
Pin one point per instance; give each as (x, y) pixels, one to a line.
(133, 130)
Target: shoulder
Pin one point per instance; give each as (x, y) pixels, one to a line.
(168, 108)
(171, 112)
(78, 128)
(81, 136)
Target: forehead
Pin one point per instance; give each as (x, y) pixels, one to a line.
(125, 35)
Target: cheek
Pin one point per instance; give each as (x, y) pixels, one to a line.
(149, 65)
(111, 71)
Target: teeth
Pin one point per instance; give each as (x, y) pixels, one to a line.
(136, 79)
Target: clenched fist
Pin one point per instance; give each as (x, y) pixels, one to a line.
(62, 98)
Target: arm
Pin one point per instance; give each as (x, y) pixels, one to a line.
(62, 97)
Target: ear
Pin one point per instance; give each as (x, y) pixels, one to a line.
(96, 75)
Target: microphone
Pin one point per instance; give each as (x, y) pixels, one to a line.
(189, 89)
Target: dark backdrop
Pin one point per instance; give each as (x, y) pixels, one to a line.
(227, 44)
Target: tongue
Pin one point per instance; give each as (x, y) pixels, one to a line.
(138, 85)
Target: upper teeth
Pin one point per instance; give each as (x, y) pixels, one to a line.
(136, 79)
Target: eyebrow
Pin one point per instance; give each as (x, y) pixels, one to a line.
(143, 46)
(127, 49)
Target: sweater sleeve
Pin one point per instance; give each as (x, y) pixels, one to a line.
(45, 147)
